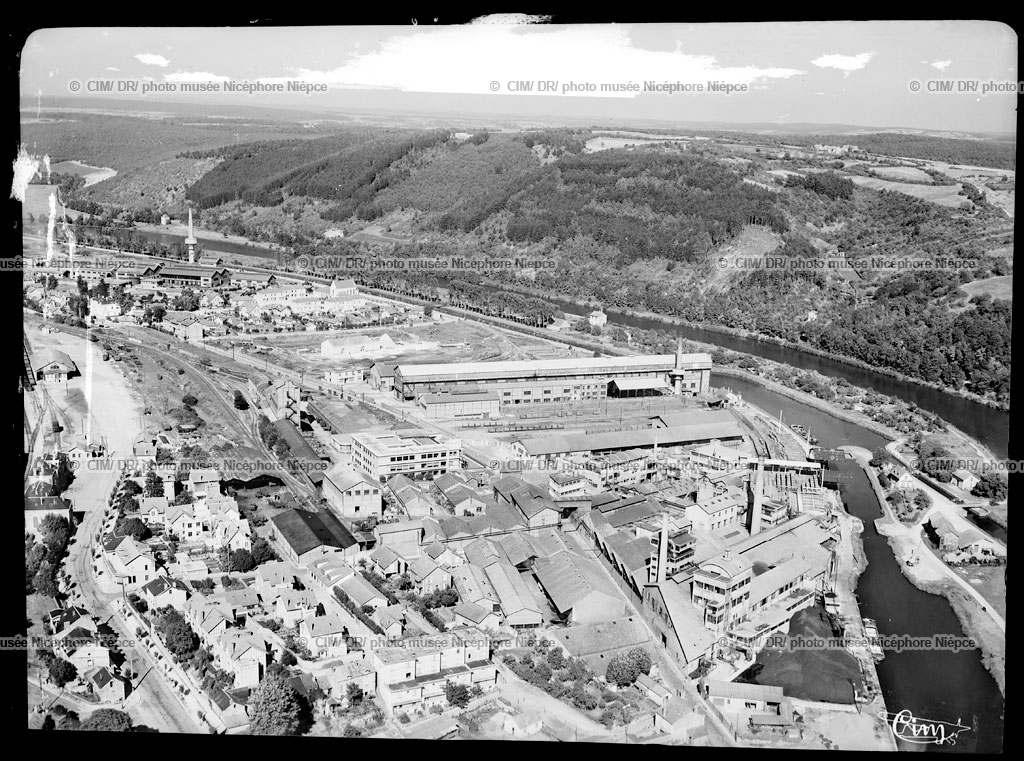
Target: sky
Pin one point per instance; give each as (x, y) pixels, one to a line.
(856, 73)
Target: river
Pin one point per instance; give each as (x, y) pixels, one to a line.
(988, 425)
(931, 684)
(985, 424)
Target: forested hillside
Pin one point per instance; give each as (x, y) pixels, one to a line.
(677, 229)
(348, 168)
(987, 153)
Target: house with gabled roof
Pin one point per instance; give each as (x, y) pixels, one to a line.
(206, 618)
(129, 562)
(275, 578)
(387, 562)
(391, 620)
(164, 591)
(37, 508)
(362, 592)
(64, 620)
(153, 510)
(245, 652)
(351, 493)
(442, 555)
(428, 576)
(471, 614)
(293, 606)
(325, 636)
(107, 686)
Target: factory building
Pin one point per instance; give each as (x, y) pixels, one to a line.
(561, 380)
(413, 453)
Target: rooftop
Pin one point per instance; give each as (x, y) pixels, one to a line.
(645, 437)
(305, 531)
(544, 367)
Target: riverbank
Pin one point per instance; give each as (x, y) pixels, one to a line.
(761, 338)
(810, 400)
(976, 622)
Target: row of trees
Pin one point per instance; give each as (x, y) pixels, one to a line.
(43, 558)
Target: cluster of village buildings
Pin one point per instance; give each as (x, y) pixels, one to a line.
(680, 536)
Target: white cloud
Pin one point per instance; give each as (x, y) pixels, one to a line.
(941, 65)
(112, 68)
(195, 76)
(844, 63)
(152, 59)
(467, 59)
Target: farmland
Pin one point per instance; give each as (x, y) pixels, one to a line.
(943, 195)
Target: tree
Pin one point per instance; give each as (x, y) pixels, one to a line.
(457, 695)
(133, 527)
(640, 660)
(61, 672)
(262, 552)
(55, 532)
(624, 668)
(154, 485)
(288, 658)
(138, 603)
(108, 720)
(189, 400)
(176, 633)
(131, 487)
(990, 486)
(185, 498)
(354, 695)
(44, 581)
(240, 401)
(241, 560)
(274, 708)
(48, 723)
(70, 721)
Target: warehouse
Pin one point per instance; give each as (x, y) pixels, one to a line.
(470, 404)
(560, 380)
(552, 447)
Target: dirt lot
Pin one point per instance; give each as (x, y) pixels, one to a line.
(352, 417)
(456, 341)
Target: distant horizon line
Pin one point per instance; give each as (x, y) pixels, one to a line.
(329, 113)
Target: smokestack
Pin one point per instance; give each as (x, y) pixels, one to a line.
(679, 352)
(755, 510)
(663, 548)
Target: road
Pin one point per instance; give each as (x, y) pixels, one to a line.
(109, 405)
(668, 669)
(911, 541)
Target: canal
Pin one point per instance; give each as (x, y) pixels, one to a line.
(932, 684)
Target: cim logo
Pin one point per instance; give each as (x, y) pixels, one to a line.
(905, 726)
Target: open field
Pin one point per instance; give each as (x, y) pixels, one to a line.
(906, 173)
(990, 581)
(92, 174)
(944, 195)
(753, 241)
(1000, 287)
(607, 143)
